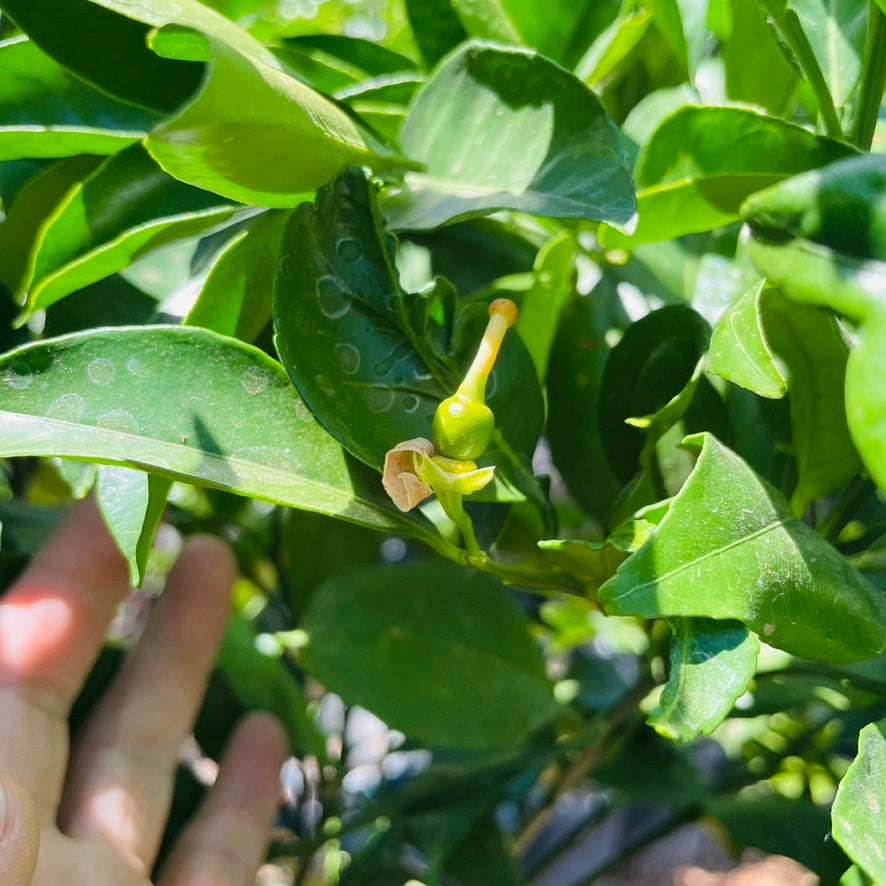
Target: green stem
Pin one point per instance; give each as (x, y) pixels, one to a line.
(873, 79)
(789, 25)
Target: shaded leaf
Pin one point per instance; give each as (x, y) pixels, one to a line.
(93, 233)
(110, 50)
(228, 417)
(47, 112)
(711, 665)
(504, 128)
(439, 653)
(729, 548)
(373, 362)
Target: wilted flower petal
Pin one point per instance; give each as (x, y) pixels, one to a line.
(399, 478)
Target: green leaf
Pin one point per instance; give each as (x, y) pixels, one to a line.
(858, 822)
(702, 162)
(436, 28)
(185, 404)
(31, 212)
(712, 663)
(373, 362)
(442, 654)
(575, 378)
(729, 548)
(740, 351)
(94, 232)
(549, 28)
(683, 24)
(813, 347)
(612, 47)
(47, 112)
(836, 33)
(756, 68)
(649, 378)
(236, 298)
(504, 128)
(110, 50)
(132, 504)
(261, 682)
(540, 307)
(254, 133)
(762, 334)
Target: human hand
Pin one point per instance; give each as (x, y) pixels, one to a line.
(98, 810)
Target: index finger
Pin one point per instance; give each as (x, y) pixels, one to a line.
(53, 621)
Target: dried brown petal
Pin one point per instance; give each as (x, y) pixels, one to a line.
(399, 479)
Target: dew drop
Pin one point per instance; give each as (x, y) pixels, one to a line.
(18, 376)
(118, 420)
(332, 299)
(68, 407)
(101, 371)
(284, 266)
(349, 250)
(325, 385)
(254, 381)
(379, 399)
(138, 369)
(410, 403)
(347, 357)
(303, 323)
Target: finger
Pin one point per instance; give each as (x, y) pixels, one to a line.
(120, 779)
(227, 841)
(52, 624)
(19, 834)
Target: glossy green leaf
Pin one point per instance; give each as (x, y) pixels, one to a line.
(729, 548)
(575, 376)
(132, 504)
(110, 50)
(702, 162)
(94, 232)
(612, 47)
(739, 349)
(649, 378)
(541, 305)
(549, 28)
(770, 345)
(756, 68)
(858, 823)
(813, 347)
(256, 134)
(836, 33)
(821, 237)
(32, 209)
(711, 665)
(436, 27)
(683, 24)
(47, 112)
(442, 654)
(236, 298)
(186, 404)
(371, 361)
(504, 128)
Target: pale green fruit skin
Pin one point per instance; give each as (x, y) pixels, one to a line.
(462, 428)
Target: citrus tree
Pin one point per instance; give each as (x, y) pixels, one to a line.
(529, 355)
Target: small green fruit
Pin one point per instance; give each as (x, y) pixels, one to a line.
(462, 427)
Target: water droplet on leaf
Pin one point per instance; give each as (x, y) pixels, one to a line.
(347, 357)
(332, 300)
(101, 371)
(379, 399)
(349, 249)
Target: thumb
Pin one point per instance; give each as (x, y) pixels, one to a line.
(19, 833)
